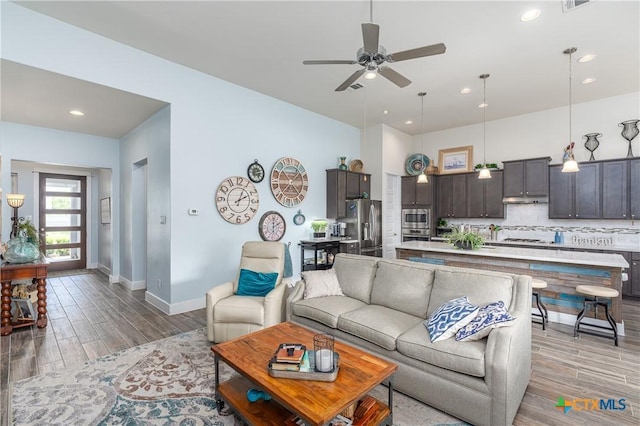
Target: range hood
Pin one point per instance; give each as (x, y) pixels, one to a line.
(525, 200)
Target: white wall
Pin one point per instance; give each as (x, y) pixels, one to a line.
(544, 133)
(105, 237)
(217, 129)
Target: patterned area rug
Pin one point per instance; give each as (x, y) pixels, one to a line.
(168, 382)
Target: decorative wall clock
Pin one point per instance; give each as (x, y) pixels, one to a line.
(299, 218)
(272, 226)
(289, 181)
(255, 171)
(237, 200)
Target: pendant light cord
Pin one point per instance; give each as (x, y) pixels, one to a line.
(484, 122)
(422, 95)
(370, 10)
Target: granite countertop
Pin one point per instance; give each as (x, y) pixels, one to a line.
(551, 244)
(535, 254)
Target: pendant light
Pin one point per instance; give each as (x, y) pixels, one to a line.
(423, 177)
(570, 163)
(485, 173)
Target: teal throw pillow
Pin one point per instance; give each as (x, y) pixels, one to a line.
(253, 283)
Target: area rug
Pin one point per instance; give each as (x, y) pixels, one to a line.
(167, 382)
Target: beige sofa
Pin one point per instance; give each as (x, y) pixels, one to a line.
(382, 311)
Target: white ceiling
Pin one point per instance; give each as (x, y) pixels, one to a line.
(261, 45)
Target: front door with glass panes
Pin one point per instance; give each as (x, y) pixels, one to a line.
(63, 229)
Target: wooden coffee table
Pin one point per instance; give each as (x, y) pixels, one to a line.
(314, 402)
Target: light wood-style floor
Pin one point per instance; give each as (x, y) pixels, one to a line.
(89, 318)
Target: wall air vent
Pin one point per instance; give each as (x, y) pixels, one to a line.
(355, 86)
(568, 5)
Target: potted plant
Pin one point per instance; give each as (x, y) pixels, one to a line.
(490, 166)
(319, 227)
(466, 240)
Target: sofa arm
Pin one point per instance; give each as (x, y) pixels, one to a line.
(296, 293)
(213, 296)
(274, 305)
(508, 357)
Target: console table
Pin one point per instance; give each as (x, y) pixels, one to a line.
(37, 271)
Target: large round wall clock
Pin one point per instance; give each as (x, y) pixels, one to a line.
(272, 226)
(237, 200)
(289, 181)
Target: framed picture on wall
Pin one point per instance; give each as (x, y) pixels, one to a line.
(105, 210)
(456, 160)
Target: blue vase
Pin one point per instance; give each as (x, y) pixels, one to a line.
(20, 250)
(342, 165)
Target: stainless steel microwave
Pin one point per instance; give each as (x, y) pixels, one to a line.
(416, 218)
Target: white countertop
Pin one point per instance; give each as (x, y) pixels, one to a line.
(551, 244)
(536, 254)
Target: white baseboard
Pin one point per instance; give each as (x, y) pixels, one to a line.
(175, 308)
(569, 319)
(132, 285)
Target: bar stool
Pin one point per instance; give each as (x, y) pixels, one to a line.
(592, 293)
(538, 284)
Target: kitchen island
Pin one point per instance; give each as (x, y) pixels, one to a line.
(562, 270)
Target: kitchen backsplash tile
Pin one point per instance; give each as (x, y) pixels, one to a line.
(531, 221)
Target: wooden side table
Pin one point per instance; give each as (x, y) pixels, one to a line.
(37, 271)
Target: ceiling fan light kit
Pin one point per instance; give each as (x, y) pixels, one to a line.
(372, 55)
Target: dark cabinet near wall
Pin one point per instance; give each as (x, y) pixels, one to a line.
(575, 195)
(484, 196)
(634, 190)
(417, 195)
(634, 275)
(526, 178)
(615, 189)
(343, 185)
(451, 195)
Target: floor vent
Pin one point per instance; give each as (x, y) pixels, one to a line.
(568, 5)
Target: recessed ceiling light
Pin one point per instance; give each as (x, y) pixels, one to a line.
(370, 75)
(588, 80)
(530, 15)
(385, 112)
(408, 122)
(586, 58)
(76, 112)
(465, 90)
(483, 105)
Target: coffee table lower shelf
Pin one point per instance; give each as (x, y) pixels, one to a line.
(269, 413)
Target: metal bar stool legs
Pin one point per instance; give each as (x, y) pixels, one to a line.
(592, 293)
(544, 315)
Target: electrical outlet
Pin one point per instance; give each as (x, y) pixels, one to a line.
(159, 283)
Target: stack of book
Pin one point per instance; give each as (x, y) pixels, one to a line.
(290, 357)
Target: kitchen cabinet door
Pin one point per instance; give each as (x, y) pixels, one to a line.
(493, 206)
(336, 193)
(475, 198)
(353, 185)
(615, 189)
(634, 190)
(536, 177)
(587, 185)
(514, 179)
(560, 193)
(417, 195)
(452, 196)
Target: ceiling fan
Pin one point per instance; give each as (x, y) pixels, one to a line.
(372, 55)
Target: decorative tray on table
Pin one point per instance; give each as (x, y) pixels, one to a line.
(307, 370)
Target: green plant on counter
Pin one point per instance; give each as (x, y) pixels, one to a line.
(464, 239)
(319, 225)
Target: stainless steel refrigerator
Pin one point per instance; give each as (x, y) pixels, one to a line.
(364, 224)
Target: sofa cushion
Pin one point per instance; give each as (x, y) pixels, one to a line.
(463, 357)
(492, 316)
(449, 318)
(377, 324)
(321, 283)
(355, 275)
(403, 286)
(240, 309)
(480, 287)
(326, 310)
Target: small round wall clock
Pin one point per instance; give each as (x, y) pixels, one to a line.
(237, 200)
(299, 218)
(255, 171)
(272, 226)
(289, 181)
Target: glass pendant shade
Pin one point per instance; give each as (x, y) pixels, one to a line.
(15, 200)
(570, 166)
(422, 178)
(484, 173)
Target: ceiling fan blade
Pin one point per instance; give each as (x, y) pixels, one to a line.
(394, 77)
(348, 82)
(329, 62)
(434, 49)
(371, 37)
